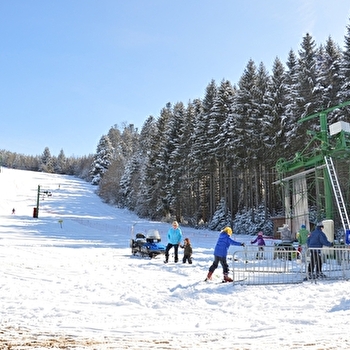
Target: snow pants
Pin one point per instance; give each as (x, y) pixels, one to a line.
(176, 251)
(222, 260)
(260, 254)
(187, 258)
(315, 262)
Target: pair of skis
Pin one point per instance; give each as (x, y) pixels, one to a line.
(223, 281)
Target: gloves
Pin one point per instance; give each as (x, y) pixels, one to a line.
(243, 244)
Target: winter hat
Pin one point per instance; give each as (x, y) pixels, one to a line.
(175, 223)
(303, 226)
(320, 224)
(228, 230)
(260, 233)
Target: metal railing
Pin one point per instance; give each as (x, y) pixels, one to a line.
(327, 263)
(286, 265)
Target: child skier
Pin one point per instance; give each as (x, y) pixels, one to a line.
(187, 251)
(220, 253)
(261, 243)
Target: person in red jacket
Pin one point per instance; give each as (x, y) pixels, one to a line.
(220, 253)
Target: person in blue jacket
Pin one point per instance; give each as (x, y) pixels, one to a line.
(317, 239)
(174, 240)
(220, 253)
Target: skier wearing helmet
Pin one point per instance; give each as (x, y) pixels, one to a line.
(220, 253)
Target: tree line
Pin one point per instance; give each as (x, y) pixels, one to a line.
(76, 166)
(218, 154)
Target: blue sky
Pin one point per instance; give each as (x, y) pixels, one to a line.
(71, 69)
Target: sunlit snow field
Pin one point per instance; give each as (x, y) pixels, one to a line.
(69, 281)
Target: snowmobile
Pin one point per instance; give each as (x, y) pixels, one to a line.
(147, 244)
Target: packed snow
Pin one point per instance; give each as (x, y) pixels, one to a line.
(69, 281)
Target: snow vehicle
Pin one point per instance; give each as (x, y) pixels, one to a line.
(147, 244)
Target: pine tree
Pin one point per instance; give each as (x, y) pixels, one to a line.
(344, 92)
(329, 81)
(146, 200)
(275, 128)
(46, 164)
(185, 201)
(292, 140)
(245, 126)
(221, 217)
(308, 95)
(202, 164)
(219, 114)
(275, 131)
(263, 104)
(102, 159)
(129, 184)
(201, 146)
(218, 136)
(175, 165)
(245, 121)
(157, 170)
(61, 163)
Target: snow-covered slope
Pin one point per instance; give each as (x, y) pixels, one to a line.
(68, 281)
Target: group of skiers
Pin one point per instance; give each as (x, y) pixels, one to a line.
(174, 241)
(220, 252)
(316, 239)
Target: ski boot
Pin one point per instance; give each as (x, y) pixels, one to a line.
(208, 276)
(227, 278)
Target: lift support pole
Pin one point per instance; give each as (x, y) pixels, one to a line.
(37, 202)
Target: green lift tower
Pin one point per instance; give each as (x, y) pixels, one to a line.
(327, 144)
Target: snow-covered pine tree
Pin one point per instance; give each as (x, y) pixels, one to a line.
(221, 217)
(328, 79)
(145, 202)
(344, 92)
(200, 166)
(250, 221)
(46, 164)
(102, 159)
(61, 163)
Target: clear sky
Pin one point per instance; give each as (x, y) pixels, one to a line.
(71, 69)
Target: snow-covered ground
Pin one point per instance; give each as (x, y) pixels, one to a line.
(68, 281)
